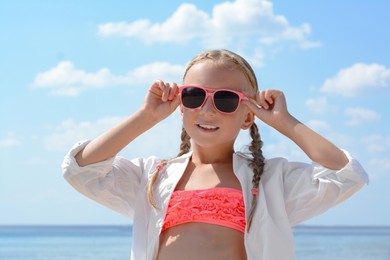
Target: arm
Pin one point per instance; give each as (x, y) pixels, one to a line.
(270, 106)
(161, 101)
(310, 189)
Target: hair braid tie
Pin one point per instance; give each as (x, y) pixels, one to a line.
(184, 148)
(255, 191)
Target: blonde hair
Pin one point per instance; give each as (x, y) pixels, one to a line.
(224, 58)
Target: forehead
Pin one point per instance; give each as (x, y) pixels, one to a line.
(216, 75)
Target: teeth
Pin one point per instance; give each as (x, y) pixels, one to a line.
(210, 127)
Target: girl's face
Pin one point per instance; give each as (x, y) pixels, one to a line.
(206, 125)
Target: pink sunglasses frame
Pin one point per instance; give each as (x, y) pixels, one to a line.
(210, 92)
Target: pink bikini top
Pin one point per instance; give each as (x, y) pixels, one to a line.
(219, 206)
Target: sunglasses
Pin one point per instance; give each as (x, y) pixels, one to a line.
(224, 100)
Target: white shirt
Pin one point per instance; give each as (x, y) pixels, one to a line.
(289, 193)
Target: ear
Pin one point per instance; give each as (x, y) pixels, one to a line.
(248, 121)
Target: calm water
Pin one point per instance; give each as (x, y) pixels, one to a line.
(342, 243)
(113, 242)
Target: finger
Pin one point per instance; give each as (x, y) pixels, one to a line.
(269, 96)
(155, 88)
(165, 94)
(261, 99)
(173, 91)
(253, 106)
(175, 102)
(273, 94)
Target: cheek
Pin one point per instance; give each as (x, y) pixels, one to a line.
(185, 112)
(241, 114)
(181, 110)
(186, 116)
(244, 119)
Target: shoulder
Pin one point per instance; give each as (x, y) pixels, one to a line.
(270, 165)
(274, 168)
(180, 159)
(150, 164)
(247, 158)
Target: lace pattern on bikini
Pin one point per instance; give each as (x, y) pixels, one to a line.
(219, 206)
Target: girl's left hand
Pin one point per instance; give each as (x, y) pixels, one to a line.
(269, 106)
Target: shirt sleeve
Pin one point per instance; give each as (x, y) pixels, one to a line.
(113, 183)
(311, 189)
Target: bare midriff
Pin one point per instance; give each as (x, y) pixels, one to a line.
(201, 241)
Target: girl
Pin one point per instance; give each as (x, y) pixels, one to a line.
(211, 202)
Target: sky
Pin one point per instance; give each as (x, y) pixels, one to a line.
(69, 70)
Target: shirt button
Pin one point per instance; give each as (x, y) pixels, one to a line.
(169, 186)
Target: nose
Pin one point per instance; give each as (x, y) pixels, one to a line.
(208, 106)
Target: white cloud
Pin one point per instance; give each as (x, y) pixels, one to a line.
(327, 130)
(284, 147)
(255, 59)
(37, 161)
(317, 105)
(66, 80)
(381, 163)
(376, 143)
(309, 44)
(69, 132)
(378, 168)
(360, 115)
(162, 140)
(227, 22)
(323, 128)
(358, 79)
(319, 126)
(10, 141)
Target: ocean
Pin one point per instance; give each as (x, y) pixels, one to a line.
(114, 242)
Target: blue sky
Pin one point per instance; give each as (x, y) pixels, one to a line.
(71, 69)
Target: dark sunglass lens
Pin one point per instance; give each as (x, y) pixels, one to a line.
(226, 101)
(193, 97)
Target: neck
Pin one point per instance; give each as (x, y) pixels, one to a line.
(208, 155)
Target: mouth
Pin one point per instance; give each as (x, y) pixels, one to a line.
(207, 127)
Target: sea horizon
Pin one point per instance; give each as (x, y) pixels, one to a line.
(126, 229)
(113, 241)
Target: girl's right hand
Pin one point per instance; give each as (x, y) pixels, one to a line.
(161, 100)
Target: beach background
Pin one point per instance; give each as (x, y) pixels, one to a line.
(114, 242)
(70, 70)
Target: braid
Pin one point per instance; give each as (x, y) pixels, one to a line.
(257, 165)
(184, 148)
(185, 142)
(152, 181)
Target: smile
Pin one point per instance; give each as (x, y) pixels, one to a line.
(208, 127)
